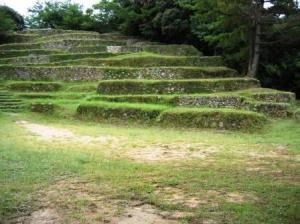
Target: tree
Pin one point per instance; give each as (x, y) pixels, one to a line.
(17, 19)
(59, 15)
(10, 21)
(160, 20)
(229, 25)
(107, 15)
(260, 41)
(7, 23)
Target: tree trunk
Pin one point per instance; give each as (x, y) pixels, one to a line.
(256, 52)
(251, 46)
(254, 48)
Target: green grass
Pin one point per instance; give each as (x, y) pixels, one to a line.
(30, 165)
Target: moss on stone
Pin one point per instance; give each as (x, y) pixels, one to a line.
(268, 108)
(34, 86)
(211, 118)
(88, 73)
(120, 111)
(174, 86)
(5, 54)
(61, 44)
(146, 61)
(42, 107)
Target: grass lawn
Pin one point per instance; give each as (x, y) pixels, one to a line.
(99, 173)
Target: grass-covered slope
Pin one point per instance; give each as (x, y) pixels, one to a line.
(115, 77)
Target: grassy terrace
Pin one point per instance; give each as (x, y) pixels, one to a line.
(59, 44)
(146, 61)
(53, 56)
(141, 59)
(174, 86)
(4, 54)
(89, 73)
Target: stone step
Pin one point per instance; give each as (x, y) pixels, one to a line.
(5, 94)
(171, 49)
(115, 87)
(221, 100)
(3, 100)
(89, 73)
(73, 35)
(176, 50)
(61, 44)
(51, 58)
(28, 52)
(49, 32)
(144, 60)
(10, 103)
(10, 107)
(171, 117)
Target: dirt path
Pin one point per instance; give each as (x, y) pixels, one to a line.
(47, 133)
(140, 151)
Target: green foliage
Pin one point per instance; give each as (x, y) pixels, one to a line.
(224, 27)
(10, 20)
(107, 14)
(157, 20)
(9, 13)
(62, 15)
(227, 27)
(6, 23)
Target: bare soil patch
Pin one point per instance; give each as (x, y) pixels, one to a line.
(42, 216)
(210, 198)
(170, 152)
(71, 202)
(139, 151)
(47, 133)
(145, 214)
